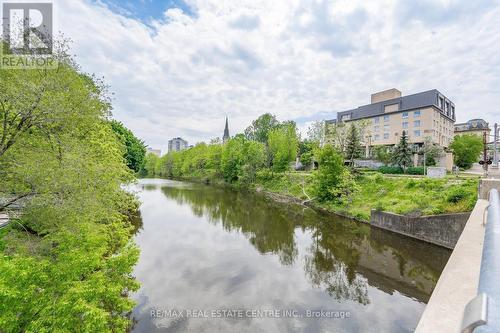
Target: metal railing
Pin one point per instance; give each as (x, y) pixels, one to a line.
(482, 314)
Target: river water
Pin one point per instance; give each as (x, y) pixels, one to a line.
(219, 260)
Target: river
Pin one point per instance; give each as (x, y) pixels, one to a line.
(220, 260)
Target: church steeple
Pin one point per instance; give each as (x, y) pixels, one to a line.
(225, 137)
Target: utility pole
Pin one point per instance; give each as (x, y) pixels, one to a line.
(485, 153)
(495, 147)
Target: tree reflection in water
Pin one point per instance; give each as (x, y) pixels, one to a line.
(345, 257)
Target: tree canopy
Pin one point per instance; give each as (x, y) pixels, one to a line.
(466, 149)
(260, 128)
(135, 149)
(66, 262)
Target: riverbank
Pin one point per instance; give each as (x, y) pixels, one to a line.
(411, 196)
(405, 196)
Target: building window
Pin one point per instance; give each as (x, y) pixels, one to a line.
(416, 123)
(376, 120)
(441, 102)
(345, 117)
(377, 137)
(405, 114)
(376, 128)
(386, 118)
(453, 112)
(386, 136)
(416, 133)
(405, 124)
(386, 127)
(416, 114)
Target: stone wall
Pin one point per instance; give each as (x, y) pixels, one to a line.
(443, 230)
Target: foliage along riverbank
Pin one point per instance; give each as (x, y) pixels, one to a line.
(263, 163)
(66, 263)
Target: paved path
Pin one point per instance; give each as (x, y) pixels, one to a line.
(478, 170)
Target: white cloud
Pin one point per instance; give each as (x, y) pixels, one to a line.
(180, 76)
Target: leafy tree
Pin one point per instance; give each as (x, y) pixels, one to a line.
(283, 145)
(316, 131)
(353, 145)
(67, 261)
(260, 128)
(402, 152)
(135, 149)
(431, 151)
(306, 151)
(151, 165)
(332, 181)
(383, 154)
(241, 158)
(336, 135)
(466, 149)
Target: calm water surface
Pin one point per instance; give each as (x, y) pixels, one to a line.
(207, 250)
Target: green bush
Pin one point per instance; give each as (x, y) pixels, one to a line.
(415, 171)
(391, 170)
(457, 194)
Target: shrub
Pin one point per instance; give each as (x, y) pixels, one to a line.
(391, 169)
(332, 181)
(457, 194)
(415, 171)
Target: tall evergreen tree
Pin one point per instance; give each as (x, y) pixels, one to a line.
(353, 146)
(402, 152)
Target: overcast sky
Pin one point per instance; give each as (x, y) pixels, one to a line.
(178, 68)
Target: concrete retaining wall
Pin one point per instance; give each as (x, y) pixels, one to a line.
(486, 185)
(443, 230)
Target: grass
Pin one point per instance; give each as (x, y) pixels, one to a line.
(401, 195)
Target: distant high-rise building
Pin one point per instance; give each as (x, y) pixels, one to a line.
(177, 144)
(225, 137)
(157, 152)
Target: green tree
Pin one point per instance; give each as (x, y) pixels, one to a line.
(316, 131)
(432, 152)
(260, 128)
(402, 152)
(466, 149)
(353, 146)
(332, 181)
(306, 151)
(283, 144)
(135, 149)
(152, 166)
(241, 158)
(383, 154)
(67, 261)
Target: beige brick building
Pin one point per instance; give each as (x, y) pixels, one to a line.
(428, 114)
(473, 126)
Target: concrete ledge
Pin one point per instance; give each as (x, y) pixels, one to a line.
(459, 279)
(486, 185)
(443, 230)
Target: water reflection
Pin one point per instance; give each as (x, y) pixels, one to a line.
(355, 268)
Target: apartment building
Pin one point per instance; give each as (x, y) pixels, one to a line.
(428, 114)
(157, 152)
(473, 126)
(177, 144)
